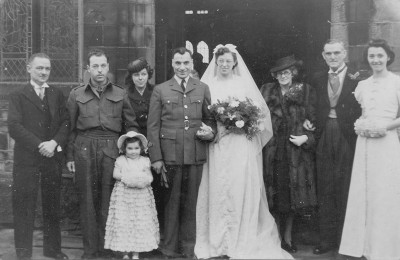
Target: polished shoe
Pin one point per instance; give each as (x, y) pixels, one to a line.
(58, 256)
(319, 250)
(289, 248)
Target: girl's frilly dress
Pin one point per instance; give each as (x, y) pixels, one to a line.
(132, 224)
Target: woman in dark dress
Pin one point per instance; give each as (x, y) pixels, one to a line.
(140, 90)
(289, 167)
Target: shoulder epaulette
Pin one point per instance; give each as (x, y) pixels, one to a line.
(117, 85)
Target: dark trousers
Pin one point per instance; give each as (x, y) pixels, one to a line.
(26, 181)
(180, 209)
(334, 165)
(94, 157)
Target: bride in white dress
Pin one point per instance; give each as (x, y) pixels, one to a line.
(232, 217)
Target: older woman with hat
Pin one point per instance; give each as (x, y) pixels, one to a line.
(140, 90)
(289, 168)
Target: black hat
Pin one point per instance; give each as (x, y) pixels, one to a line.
(284, 63)
(137, 65)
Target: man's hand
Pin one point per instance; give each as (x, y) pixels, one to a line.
(298, 140)
(205, 132)
(308, 125)
(159, 168)
(47, 148)
(71, 166)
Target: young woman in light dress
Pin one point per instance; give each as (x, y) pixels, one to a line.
(372, 223)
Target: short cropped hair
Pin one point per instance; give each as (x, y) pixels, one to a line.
(97, 53)
(38, 55)
(182, 51)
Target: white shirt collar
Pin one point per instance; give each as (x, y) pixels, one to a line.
(179, 80)
(36, 86)
(341, 67)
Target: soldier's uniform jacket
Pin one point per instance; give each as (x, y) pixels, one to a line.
(110, 111)
(174, 118)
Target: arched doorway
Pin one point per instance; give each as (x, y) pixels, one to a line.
(262, 30)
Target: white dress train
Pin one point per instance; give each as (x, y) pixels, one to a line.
(232, 216)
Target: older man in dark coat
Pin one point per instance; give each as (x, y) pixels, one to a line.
(38, 122)
(178, 149)
(337, 110)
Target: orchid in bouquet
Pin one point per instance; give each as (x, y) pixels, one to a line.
(238, 116)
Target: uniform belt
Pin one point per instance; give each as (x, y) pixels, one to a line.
(98, 134)
(186, 124)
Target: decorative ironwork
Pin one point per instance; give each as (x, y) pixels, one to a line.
(15, 39)
(59, 26)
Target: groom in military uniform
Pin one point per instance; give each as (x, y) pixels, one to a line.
(177, 147)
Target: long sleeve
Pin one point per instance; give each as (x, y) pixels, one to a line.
(72, 110)
(128, 116)
(61, 137)
(153, 126)
(16, 128)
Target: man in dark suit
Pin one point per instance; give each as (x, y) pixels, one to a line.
(177, 146)
(337, 110)
(38, 122)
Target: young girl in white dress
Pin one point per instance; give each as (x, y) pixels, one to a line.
(132, 224)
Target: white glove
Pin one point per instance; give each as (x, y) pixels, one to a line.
(298, 140)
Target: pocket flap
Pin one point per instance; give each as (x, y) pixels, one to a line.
(196, 99)
(169, 100)
(84, 99)
(168, 134)
(115, 98)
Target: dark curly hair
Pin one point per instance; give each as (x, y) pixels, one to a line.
(130, 140)
(379, 43)
(221, 51)
(135, 67)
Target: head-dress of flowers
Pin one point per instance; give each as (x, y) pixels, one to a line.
(253, 94)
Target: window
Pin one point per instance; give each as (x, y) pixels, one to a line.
(202, 48)
(189, 46)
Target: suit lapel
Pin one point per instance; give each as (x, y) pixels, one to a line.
(191, 85)
(31, 95)
(346, 89)
(324, 85)
(175, 86)
(51, 100)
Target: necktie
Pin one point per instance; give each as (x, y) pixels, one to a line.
(334, 80)
(41, 93)
(183, 85)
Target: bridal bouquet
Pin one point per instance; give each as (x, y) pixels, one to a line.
(369, 128)
(238, 116)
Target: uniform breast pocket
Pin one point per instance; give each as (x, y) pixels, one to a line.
(114, 106)
(168, 144)
(87, 106)
(170, 104)
(196, 104)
